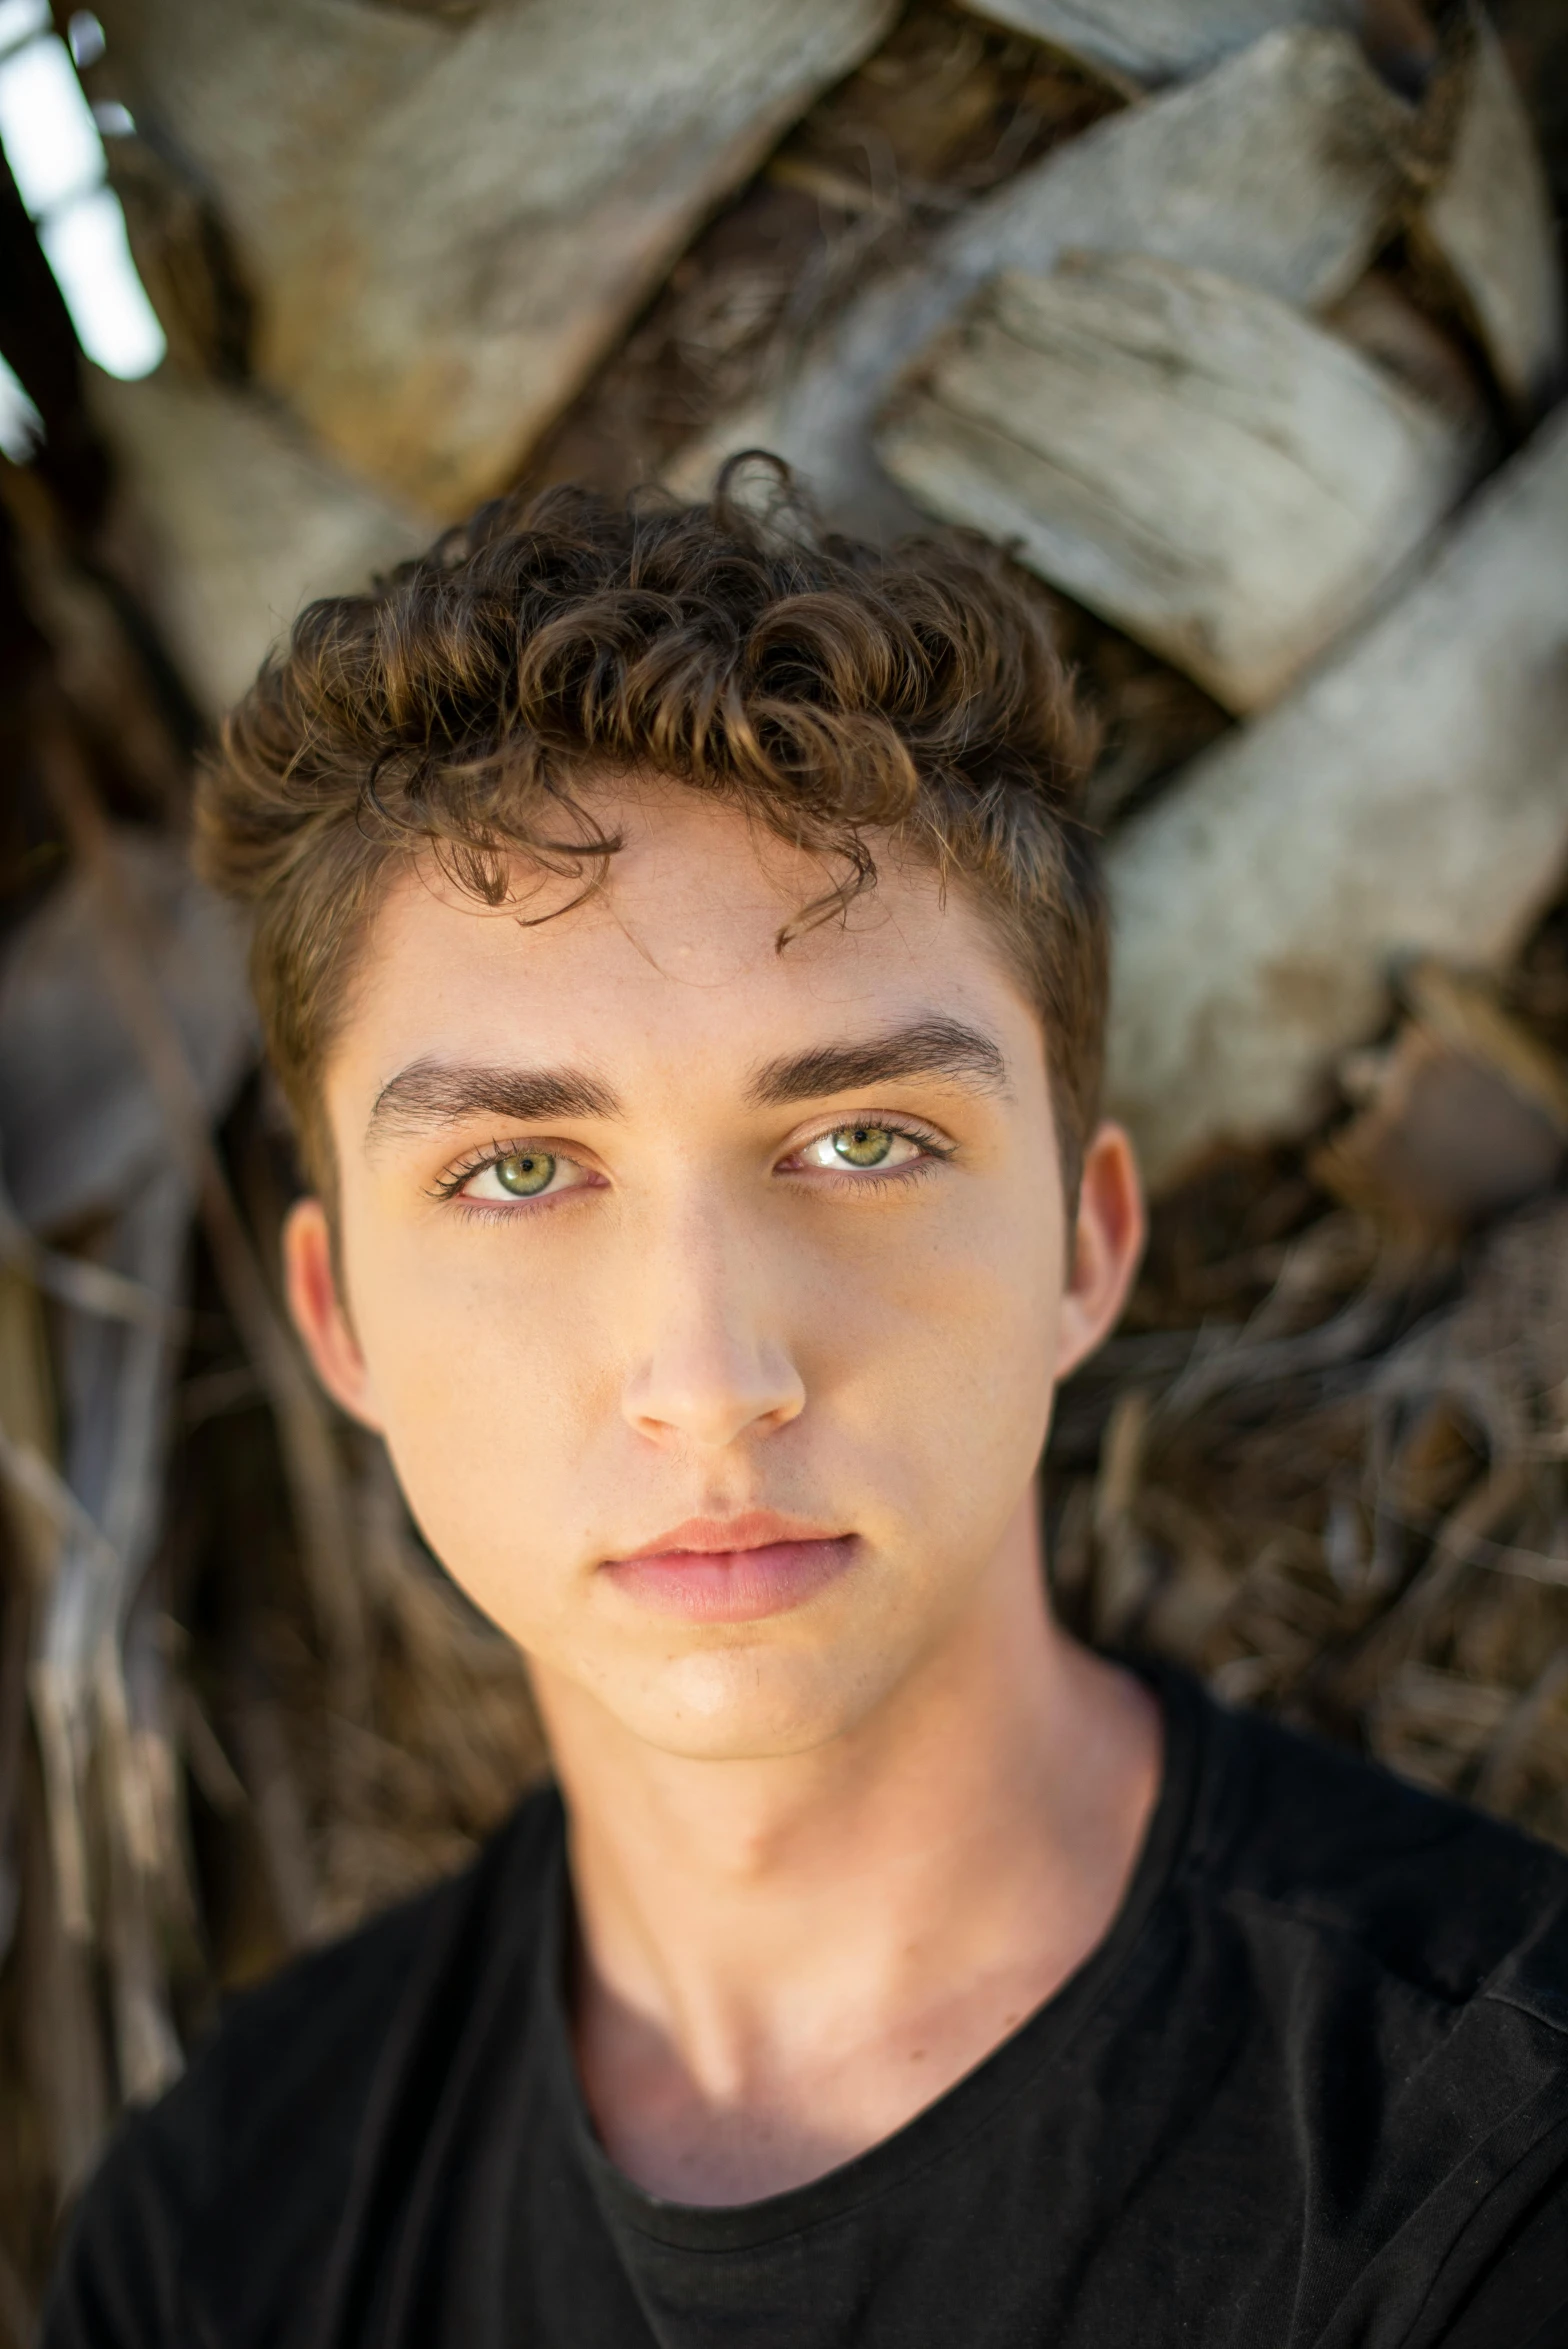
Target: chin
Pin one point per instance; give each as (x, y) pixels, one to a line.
(740, 1704)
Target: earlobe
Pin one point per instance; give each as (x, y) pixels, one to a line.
(316, 1306)
(1107, 1246)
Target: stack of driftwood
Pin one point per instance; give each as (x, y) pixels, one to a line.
(1240, 322)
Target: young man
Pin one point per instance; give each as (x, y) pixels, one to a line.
(687, 970)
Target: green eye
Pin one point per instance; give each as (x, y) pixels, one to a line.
(862, 1145)
(525, 1174)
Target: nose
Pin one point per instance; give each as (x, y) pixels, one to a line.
(716, 1364)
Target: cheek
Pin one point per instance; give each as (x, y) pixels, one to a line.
(934, 1344)
(488, 1368)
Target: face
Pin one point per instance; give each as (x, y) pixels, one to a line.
(710, 1299)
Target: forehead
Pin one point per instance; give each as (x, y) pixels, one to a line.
(676, 954)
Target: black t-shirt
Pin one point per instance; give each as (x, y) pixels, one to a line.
(1311, 2088)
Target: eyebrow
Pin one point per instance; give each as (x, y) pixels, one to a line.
(430, 1094)
(931, 1047)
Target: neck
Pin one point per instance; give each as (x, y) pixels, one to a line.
(781, 1960)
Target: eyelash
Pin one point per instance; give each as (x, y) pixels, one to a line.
(448, 1186)
(933, 1150)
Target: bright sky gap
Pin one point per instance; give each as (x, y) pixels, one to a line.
(53, 143)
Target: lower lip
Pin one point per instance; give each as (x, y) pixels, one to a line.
(733, 1586)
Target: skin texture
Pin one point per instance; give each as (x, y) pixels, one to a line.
(825, 1856)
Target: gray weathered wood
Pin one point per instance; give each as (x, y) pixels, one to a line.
(1188, 456)
(448, 221)
(1283, 168)
(1411, 796)
(81, 1126)
(1489, 221)
(247, 520)
(1159, 40)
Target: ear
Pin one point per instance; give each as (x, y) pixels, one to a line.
(310, 1282)
(1107, 1244)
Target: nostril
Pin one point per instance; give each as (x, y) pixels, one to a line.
(715, 1407)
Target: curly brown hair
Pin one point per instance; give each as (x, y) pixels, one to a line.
(838, 692)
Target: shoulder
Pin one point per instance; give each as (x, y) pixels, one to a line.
(259, 2138)
(1373, 1980)
(315, 2038)
(1425, 1889)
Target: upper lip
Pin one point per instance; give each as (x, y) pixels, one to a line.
(753, 1529)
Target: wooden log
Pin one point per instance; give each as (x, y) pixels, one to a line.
(1187, 456)
(83, 1128)
(447, 220)
(1410, 797)
(1151, 41)
(244, 520)
(1462, 1116)
(1488, 222)
(1283, 169)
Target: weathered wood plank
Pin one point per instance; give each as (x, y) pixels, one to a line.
(246, 518)
(447, 221)
(1283, 168)
(1489, 222)
(1411, 796)
(1188, 456)
(1150, 41)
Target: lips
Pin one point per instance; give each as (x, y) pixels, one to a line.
(732, 1570)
